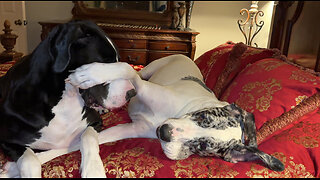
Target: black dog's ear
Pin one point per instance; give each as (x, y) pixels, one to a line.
(60, 41)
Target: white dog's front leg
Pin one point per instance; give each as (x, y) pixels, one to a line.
(29, 165)
(138, 129)
(91, 163)
(10, 170)
(92, 74)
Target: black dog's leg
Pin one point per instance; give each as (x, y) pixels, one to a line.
(93, 118)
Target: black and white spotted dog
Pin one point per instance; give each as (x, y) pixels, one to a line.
(40, 111)
(173, 104)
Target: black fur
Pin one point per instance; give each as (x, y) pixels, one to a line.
(32, 87)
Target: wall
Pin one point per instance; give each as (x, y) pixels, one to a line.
(215, 20)
(44, 11)
(217, 23)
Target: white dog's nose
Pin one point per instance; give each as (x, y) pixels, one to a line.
(164, 132)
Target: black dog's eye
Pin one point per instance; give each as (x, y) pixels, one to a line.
(88, 35)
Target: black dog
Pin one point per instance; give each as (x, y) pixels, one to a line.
(38, 109)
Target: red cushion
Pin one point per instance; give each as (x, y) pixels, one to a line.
(220, 65)
(270, 87)
(212, 63)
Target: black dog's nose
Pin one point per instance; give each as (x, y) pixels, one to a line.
(130, 94)
(164, 132)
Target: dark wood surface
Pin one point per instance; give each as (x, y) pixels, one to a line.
(142, 46)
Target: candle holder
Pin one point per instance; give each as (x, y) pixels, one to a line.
(251, 23)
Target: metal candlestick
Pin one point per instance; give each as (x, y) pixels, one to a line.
(251, 21)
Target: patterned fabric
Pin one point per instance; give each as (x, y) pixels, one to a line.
(268, 88)
(221, 65)
(5, 67)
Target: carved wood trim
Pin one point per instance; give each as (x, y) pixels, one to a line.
(80, 11)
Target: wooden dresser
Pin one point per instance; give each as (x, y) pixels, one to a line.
(140, 46)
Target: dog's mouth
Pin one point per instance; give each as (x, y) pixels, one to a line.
(90, 101)
(93, 103)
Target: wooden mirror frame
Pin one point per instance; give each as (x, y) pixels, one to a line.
(80, 11)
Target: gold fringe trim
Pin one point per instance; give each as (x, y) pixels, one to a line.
(305, 107)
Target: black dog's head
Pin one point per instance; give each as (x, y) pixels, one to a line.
(79, 42)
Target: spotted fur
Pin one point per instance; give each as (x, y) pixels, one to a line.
(216, 117)
(209, 146)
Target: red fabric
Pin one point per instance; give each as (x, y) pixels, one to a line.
(213, 62)
(220, 65)
(270, 87)
(5, 67)
(297, 145)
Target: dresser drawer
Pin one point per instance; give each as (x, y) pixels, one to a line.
(156, 55)
(133, 57)
(130, 44)
(168, 46)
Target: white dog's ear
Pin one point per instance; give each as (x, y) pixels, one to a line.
(248, 123)
(247, 153)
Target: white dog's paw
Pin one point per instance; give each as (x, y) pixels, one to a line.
(10, 170)
(93, 169)
(88, 75)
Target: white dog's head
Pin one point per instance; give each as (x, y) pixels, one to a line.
(227, 132)
(109, 96)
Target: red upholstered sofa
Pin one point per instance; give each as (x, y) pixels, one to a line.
(285, 99)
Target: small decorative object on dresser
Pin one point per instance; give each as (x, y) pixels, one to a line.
(181, 11)
(141, 40)
(8, 40)
(189, 6)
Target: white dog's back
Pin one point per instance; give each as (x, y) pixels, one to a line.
(177, 67)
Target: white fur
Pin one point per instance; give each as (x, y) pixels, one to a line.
(117, 93)
(191, 130)
(64, 131)
(164, 96)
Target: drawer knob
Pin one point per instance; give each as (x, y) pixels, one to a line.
(133, 59)
(167, 47)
